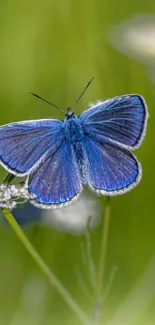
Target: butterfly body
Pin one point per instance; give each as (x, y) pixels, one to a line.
(74, 133)
(58, 158)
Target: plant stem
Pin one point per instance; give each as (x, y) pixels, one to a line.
(8, 179)
(102, 260)
(46, 270)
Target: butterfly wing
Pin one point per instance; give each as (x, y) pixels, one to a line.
(23, 144)
(112, 169)
(122, 119)
(56, 181)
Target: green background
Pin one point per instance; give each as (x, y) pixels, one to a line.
(53, 48)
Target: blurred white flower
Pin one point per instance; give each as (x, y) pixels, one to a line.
(76, 218)
(135, 37)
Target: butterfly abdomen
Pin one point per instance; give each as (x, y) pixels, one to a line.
(75, 136)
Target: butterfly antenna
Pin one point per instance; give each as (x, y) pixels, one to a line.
(88, 84)
(46, 101)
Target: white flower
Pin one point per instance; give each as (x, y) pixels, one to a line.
(135, 37)
(76, 218)
(9, 192)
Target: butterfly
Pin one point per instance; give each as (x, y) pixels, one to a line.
(93, 149)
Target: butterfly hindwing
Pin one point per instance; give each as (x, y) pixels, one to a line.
(122, 119)
(112, 169)
(56, 182)
(23, 144)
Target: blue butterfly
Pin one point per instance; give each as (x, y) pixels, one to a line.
(93, 149)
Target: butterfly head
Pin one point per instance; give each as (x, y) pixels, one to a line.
(70, 114)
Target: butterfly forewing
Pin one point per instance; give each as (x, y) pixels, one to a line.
(121, 119)
(23, 144)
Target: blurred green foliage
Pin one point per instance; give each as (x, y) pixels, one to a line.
(53, 48)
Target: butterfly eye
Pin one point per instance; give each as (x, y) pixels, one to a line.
(69, 111)
(70, 114)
